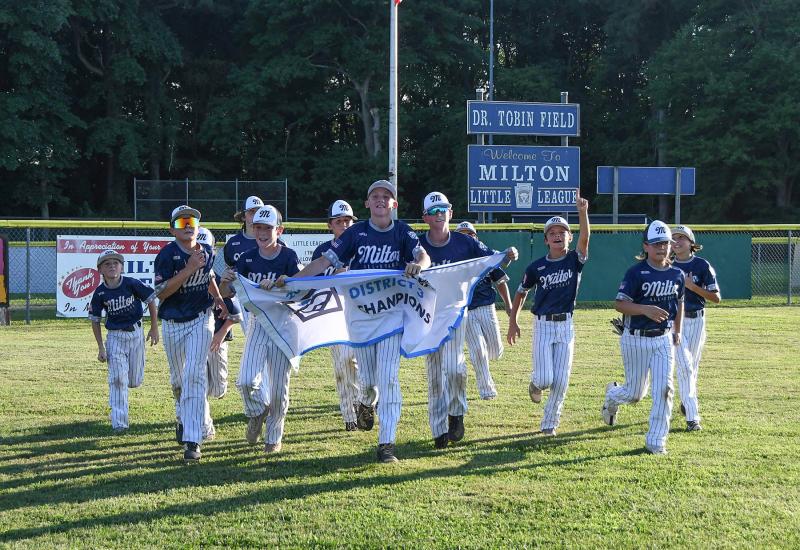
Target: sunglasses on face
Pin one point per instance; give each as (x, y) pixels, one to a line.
(436, 210)
(181, 223)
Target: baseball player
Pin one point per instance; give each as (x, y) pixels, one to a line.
(265, 370)
(187, 290)
(556, 276)
(345, 366)
(121, 298)
(245, 239)
(447, 369)
(701, 285)
(651, 301)
(217, 363)
(378, 243)
(483, 329)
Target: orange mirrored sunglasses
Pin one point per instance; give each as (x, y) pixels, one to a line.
(181, 223)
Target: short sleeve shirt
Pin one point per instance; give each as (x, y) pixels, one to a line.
(122, 304)
(648, 285)
(192, 298)
(556, 282)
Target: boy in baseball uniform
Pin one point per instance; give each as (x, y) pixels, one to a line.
(650, 298)
(121, 298)
(345, 366)
(483, 329)
(556, 277)
(187, 290)
(377, 243)
(447, 368)
(265, 371)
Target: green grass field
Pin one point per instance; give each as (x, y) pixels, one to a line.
(65, 481)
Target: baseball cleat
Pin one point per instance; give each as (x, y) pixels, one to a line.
(693, 426)
(652, 449)
(350, 426)
(441, 441)
(192, 452)
(489, 396)
(254, 426)
(549, 432)
(365, 417)
(270, 448)
(179, 433)
(386, 453)
(609, 411)
(535, 392)
(455, 429)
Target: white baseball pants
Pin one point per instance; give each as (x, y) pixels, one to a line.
(125, 352)
(379, 367)
(447, 382)
(484, 344)
(552, 351)
(345, 371)
(693, 339)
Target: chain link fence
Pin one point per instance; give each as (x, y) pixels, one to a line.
(751, 263)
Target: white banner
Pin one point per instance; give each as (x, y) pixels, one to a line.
(365, 306)
(76, 267)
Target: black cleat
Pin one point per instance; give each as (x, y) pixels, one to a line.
(441, 441)
(192, 452)
(365, 417)
(455, 430)
(179, 433)
(693, 426)
(350, 426)
(386, 453)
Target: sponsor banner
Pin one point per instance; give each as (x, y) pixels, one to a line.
(305, 243)
(76, 266)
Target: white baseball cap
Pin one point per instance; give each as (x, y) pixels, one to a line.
(340, 209)
(109, 255)
(204, 235)
(253, 202)
(435, 199)
(556, 220)
(657, 232)
(684, 230)
(267, 215)
(466, 226)
(384, 184)
(184, 211)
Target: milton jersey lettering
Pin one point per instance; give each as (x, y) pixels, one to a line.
(122, 304)
(556, 283)
(192, 297)
(257, 268)
(364, 246)
(703, 275)
(647, 285)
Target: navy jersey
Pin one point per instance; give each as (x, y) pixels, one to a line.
(252, 265)
(236, 246)
(703, 275)
(319, 251)
(648, 285)
(484, 293)
(556, 283)
(459, 247)
(192, 298)
(123, 304)
(364, 246)
(234, 310)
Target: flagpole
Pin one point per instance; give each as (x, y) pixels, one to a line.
(393, 97)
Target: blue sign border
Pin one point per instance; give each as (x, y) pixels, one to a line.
(533, 129)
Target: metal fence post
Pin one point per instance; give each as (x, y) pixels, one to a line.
(789, 265)
(187, 191)
(758, 266)
(27, 275)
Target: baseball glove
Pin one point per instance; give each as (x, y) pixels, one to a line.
(617, 327)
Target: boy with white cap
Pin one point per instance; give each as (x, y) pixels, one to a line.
(187, 290)
(244, 240)
(447, 368)
(483, 329)
(121, 298)
(345, 366)
(701, 285)
(378, 243)
(556, 277)
(651, 301)
(265, 371)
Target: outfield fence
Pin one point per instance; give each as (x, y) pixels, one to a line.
(752, 262)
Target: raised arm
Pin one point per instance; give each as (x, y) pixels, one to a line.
(583, 220)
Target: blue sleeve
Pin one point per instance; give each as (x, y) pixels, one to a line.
(409, 243)
(227, 254)
(317, 253)
(241, 266)
(479, 249)
(141, 290)
(709, 280)
(681, 285)
(293, 260)
(497, 275)
(577, 260)
(163, 267)
(629, 288)
(95, 308)
(529, 277)
(343, 247)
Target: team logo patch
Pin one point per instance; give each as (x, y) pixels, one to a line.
(413, 235)
(321, 302)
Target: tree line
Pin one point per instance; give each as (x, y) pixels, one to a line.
(96, 92)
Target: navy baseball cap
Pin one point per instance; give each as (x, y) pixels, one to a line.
(340, 209)
(657, 232)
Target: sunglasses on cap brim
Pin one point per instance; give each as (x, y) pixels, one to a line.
(436, 210)
(182, 223)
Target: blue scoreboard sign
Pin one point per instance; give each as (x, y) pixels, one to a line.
(519, 178)
(527, 119)
(644, 180)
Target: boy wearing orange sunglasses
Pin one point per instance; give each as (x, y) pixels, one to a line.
(187, 290)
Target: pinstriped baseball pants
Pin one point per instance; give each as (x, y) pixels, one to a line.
(552, 350)
(645, 358)
(447, 382)
(218, 371)
(484, 344)
(345, 372)
(379, 366)
(125, 351)
(693, 339)
(186, 345)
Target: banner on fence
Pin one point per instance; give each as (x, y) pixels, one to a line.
(76, 266)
